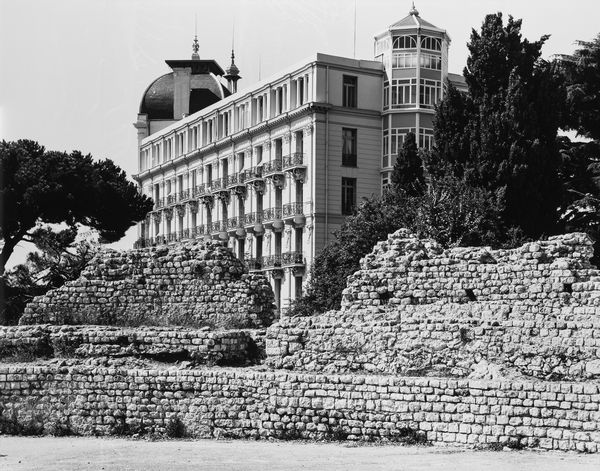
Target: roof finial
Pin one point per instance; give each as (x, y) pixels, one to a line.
(413, 10)
(195, 45)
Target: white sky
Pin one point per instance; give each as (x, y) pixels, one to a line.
(73, 71)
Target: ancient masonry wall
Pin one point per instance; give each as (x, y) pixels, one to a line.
(253, 404)
(201, 346)
(414, 308)
(196, 285)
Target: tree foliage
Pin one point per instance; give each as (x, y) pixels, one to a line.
(583, 86)
(39, 186)
(59, 258)
(408, 168)
(502, 134)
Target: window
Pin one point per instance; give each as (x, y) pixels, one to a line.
(298, 283)
(431, 61)
(392, 142)
(349, 91)
(348, 195)
(348, 147)
(386, 95)
(433, 44)
(404, 93)
(426, 138)
(386, 180)
(402, 60)
(430, 93)
(405, 42)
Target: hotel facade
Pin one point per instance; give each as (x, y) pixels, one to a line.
(274, 169)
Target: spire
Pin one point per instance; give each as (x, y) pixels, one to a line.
(413, 10)
(232, 73)
(195, 45)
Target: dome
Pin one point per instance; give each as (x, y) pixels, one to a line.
(158, 99)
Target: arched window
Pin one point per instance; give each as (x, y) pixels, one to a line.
(404, 42)
(432, 44)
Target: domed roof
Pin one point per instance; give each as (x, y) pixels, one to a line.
(158, 99)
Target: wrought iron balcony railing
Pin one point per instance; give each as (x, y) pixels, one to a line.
(253, 173)
(253, 263)
(198, 231)
(159, 203)
(293, 160)
(271, 261)
(273, 166)
(199, 190)
(171, 199)
(184, 195)
(270, 214)
(253, 218)
(292, 258)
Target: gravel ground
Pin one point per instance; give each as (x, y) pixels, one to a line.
(65, 454)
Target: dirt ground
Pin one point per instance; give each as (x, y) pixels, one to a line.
(65, 454)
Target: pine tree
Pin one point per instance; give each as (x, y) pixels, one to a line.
(408, 168)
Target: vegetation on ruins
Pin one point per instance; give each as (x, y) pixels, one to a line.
(499, 174)
(40, 187)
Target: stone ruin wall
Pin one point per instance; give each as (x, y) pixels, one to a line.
(414, 308)
(228, 403)
(196, 285)
(102, 344)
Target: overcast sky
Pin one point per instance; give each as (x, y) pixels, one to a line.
(73, 71)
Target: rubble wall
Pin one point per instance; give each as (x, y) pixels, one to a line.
(165, 344)
(414, 308)
(256, 404)
(198, 284)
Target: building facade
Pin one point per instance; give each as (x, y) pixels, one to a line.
(275, 168)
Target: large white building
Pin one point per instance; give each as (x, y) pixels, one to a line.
(274, 168)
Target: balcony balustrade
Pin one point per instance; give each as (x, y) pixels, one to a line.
(171, 199)
(218, 226)
(271, 261)
(273, 167)
(271, 214)
(253, 218)
(253, 174)
(236, 179)
(185, 234)
(159, 203)
(253, 264)
(292, 161)
(198, 231)
(184, 195)
(235, 223)
(292, 258)
(199, 190)
(218, 184)
(172, 237)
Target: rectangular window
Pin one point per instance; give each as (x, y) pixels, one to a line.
(348, 195)
(430, 92)
(404, 93)
(426, 138)
(298, 287)
(349, 94)
(348, 147)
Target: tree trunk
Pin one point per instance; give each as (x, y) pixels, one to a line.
(7, 250)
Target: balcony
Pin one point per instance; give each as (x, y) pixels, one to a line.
(296, 213)
(273, 167)
(185, 234)
(159, 203)
(199, 191)
(235, 226)
(219, 188)
(273, 217)
(218, 226)
(271, 261)
(253, 264)
(292, 161)
(172, 237)
(292, 259)
(171, 199)
(184, 195)
(198, 231)
(236, 180)
(253, 174)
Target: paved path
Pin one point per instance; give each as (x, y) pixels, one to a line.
(65, 454)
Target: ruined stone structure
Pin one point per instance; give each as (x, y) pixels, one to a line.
(463, 346)
(230, 403)
(196, 285)
(166, 344)
(414, 308)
